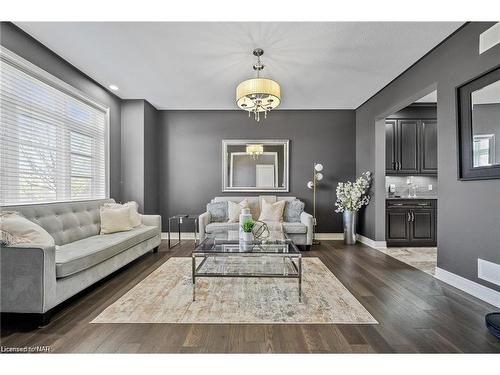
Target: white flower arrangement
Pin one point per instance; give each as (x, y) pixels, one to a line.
(352, 196)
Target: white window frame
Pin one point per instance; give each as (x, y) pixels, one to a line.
(27, 67)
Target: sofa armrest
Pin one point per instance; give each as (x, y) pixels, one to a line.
(203, 221)
(152, 220)
(28, 278)
(308, 221)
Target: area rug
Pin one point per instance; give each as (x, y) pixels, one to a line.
(165, 296)
(422, 258)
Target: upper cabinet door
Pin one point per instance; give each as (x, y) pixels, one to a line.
(390, 146)
(428, 150)
(408, 146)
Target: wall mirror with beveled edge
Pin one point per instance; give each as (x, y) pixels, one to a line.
(479, 127)
(255, 165)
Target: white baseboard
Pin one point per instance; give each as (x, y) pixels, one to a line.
(477, 290)
(329, 236)
(369, 242)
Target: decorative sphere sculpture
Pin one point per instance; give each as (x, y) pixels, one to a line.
(260, 230)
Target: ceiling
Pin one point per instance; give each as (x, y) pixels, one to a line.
(197, 65)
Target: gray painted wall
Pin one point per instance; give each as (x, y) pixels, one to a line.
(151, 160)
(469, 211)
(16, 40)
(139, 140)
(191, 152)
(132, 151)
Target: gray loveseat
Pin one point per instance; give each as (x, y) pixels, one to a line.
(36, 279)
(300, 232)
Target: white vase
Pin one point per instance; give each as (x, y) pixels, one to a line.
(247, 237)
(244, 216)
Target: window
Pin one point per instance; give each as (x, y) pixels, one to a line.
(483, 150)
(53, 140)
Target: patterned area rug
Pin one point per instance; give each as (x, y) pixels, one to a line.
(422, 258)
(165, 296)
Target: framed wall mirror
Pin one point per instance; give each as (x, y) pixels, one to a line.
(479, 127)
(255, 165)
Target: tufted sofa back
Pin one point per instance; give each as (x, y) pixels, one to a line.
(65, 221)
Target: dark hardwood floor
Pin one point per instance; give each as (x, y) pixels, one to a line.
(416, 312)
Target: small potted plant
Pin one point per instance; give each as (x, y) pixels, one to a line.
(246, 227)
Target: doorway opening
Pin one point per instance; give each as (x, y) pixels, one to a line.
(411, 183)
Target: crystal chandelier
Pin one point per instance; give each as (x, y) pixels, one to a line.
(255, 150)
(257, 95)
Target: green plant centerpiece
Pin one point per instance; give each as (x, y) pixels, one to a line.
(247, 227)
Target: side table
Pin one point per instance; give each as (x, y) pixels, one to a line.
(179, 219)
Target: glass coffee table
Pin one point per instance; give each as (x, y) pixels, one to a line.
(223, 255)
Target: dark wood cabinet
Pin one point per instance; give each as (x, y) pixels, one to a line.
(390, 144)
(411, 147)
(408, 143)
(428, 148)
(423, 227)
(396, 225)
(411, 222)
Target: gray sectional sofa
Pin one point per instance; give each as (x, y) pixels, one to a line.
(300, 232)
(36, 279)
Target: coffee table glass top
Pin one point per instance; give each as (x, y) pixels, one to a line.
(224, 243)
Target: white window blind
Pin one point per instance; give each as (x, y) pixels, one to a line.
(53, 142)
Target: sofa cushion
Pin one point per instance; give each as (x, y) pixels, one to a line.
(115, 219)
(80, 255)
(221, 227)
(272, 211)
(16, 230)
(294, 228)
(217, 211)
(292, 211)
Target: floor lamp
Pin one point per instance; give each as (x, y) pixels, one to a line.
(317, 176)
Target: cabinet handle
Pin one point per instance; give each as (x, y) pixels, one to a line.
(409, 216)
(397, 204)
(393, 165)
(412, 216)
(423, 204)
(399, 165)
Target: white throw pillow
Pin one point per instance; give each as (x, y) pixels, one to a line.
(234, 210)
(115, 219)
(135, 216)
(17, 230)
(272, 212)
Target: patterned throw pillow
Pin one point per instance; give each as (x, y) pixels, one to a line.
(234, 210)
(217, 211)
(15, 230)
(292, 211)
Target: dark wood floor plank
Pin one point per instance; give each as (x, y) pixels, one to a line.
(416, 313)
